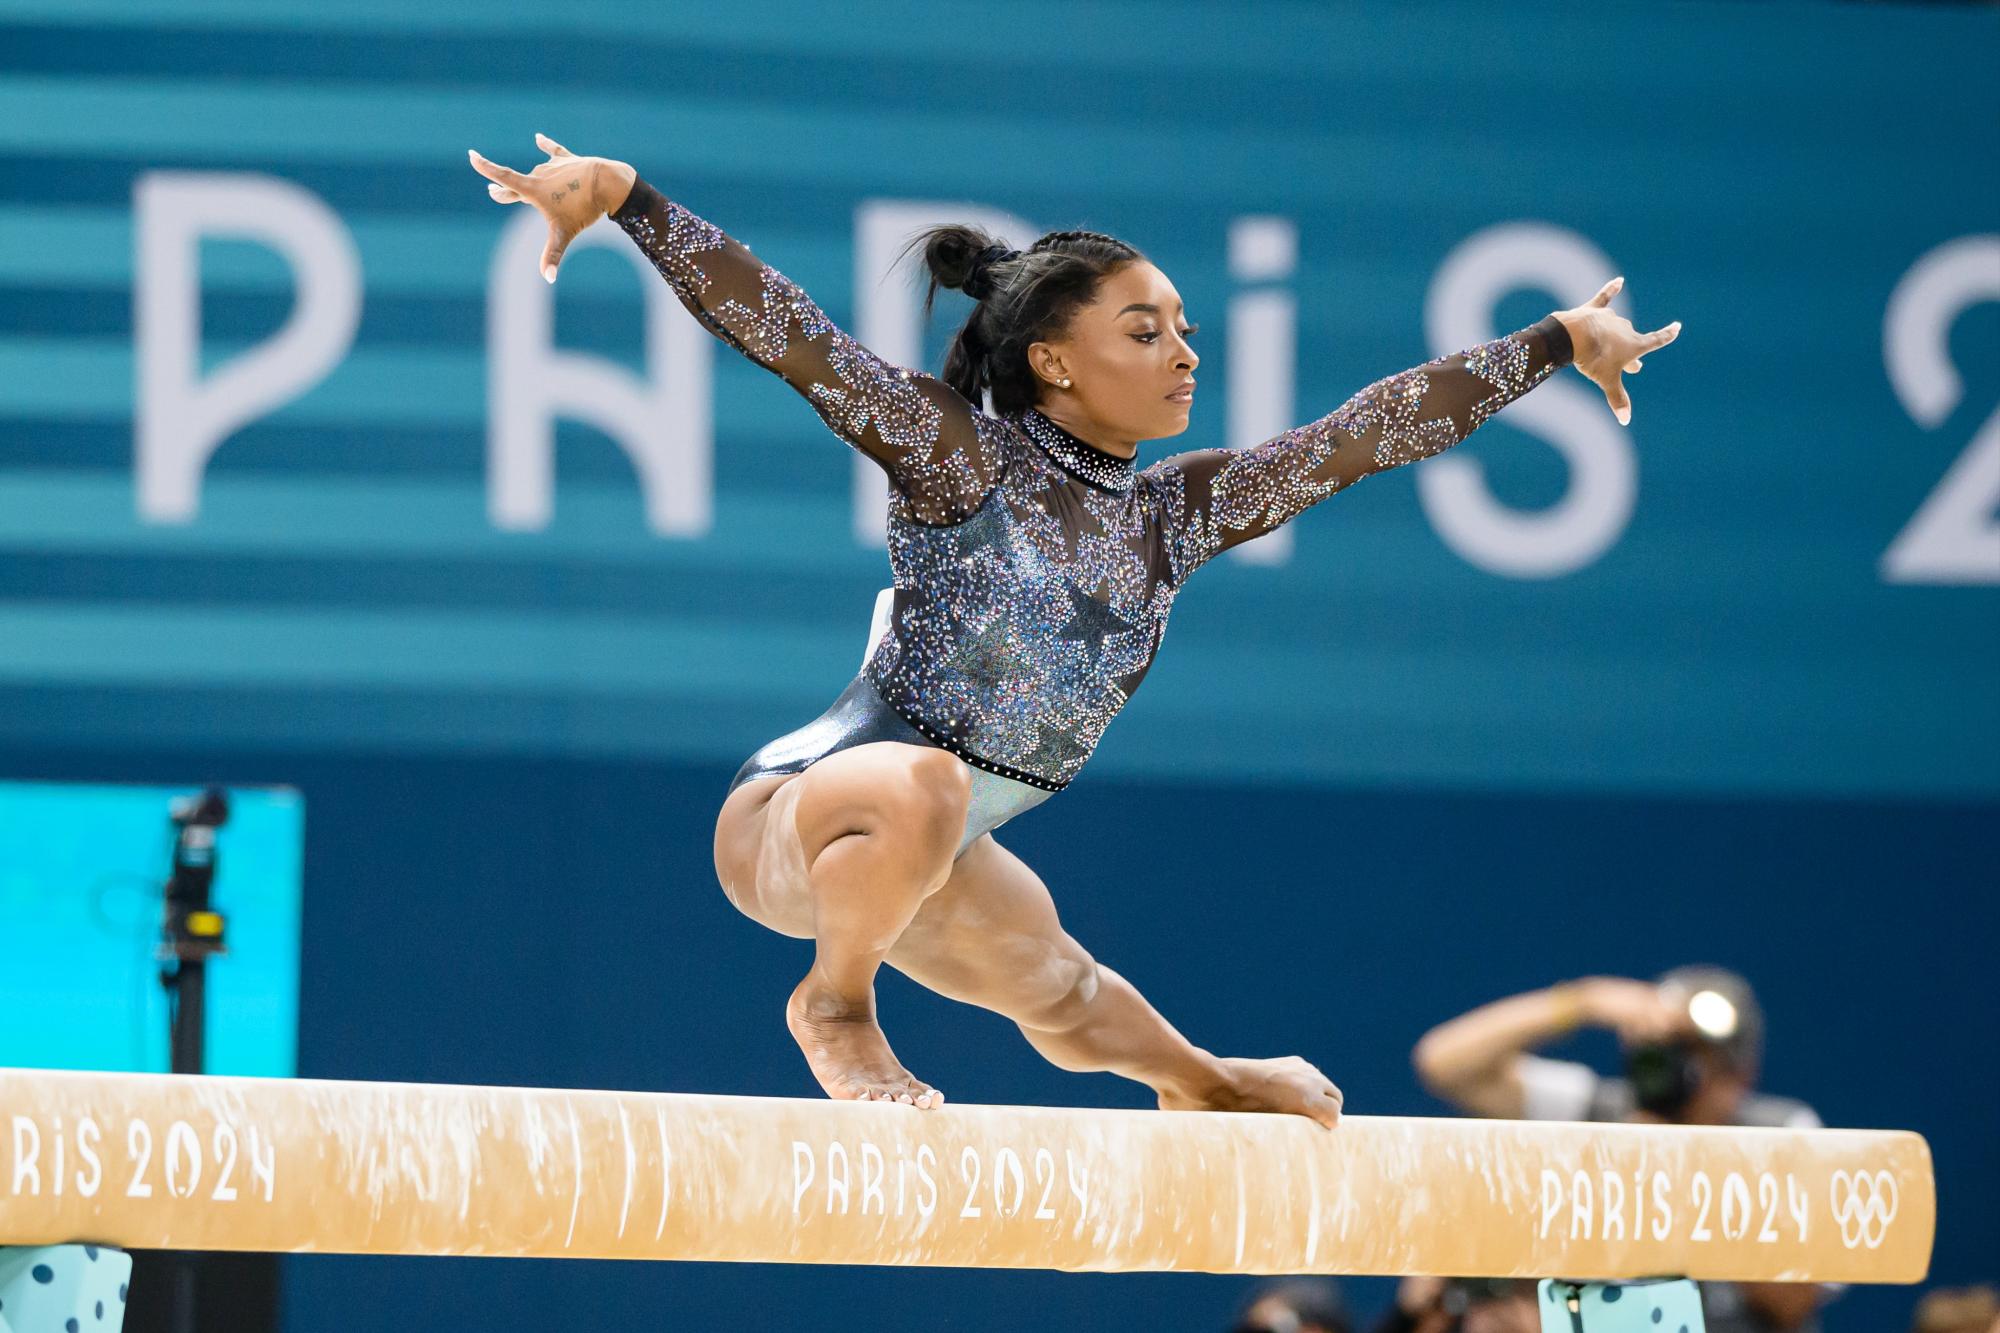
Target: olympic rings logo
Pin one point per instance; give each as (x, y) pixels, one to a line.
(1864, 1205)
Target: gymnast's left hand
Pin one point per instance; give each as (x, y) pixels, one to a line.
(1607, 344)
(1288, 1085)
(571, 192)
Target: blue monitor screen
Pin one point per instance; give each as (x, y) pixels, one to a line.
(82, 869)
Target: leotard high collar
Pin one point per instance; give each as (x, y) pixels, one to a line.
(1079, 458)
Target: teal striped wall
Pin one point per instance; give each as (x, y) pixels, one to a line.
(1767, 174)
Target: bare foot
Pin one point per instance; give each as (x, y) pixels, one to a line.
(848, 1053)
(1287, 1086)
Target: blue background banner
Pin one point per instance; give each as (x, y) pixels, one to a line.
(278, 505)
(1699, 603)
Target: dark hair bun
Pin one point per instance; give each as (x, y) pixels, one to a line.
(1041, 288)
(979, 280)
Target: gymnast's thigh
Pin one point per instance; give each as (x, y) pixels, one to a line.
(771, 827)
(991, 937)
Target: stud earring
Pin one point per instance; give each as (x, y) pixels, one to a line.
(1064, 383)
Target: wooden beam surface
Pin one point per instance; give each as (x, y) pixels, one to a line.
(165, 1161)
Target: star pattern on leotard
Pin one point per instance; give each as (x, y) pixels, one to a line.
(1393, 411)
(1059, 496)
(1269, 485)
(673, 254)
(868, 393)
(1508, 366)
(783, 313)
(1057, 749)
(990, 654)
(986, 538)
(893, 414)
(1401, 418)
(1091, 622)
(863, 393)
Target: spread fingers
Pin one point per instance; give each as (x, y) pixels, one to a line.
(496, 173)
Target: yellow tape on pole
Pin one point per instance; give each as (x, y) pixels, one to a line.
(388, 1168)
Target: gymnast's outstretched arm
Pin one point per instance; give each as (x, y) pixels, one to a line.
(915, 426)
(1220, 498)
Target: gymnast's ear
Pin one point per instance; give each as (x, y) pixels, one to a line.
(1045, 359)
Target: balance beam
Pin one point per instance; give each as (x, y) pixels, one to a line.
(207, 1163)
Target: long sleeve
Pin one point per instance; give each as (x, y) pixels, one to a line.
(1218, 498)
(922, 432)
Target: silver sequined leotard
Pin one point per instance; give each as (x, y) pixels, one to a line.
(1033, 572)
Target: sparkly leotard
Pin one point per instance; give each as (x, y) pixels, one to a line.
(1034, 572)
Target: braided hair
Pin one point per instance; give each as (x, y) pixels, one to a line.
(1024, 297)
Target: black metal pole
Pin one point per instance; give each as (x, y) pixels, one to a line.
(186, 1045)
(191, 933)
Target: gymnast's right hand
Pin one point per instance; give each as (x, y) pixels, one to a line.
(571, 192)
(1287, 1085)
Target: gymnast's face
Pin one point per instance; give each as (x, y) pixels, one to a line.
(1128, 361)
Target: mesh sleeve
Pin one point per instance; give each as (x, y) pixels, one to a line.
(1220, 498)
(919, 429)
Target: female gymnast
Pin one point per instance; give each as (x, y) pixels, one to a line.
(1034, 569)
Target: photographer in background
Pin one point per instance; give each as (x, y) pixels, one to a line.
(1692, 1042)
